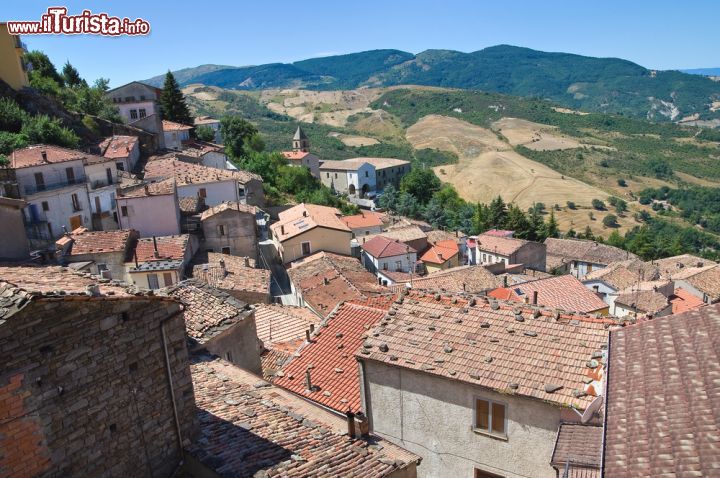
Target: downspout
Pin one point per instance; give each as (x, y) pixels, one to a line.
(605, 409)
(170, 379)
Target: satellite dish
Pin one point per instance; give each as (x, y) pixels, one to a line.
(591, 410)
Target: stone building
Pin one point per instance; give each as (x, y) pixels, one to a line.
(230, 228)
(301, 155)
(219, 324)
(14, 244)
(493, 249)
(73, 401)
(100, 252)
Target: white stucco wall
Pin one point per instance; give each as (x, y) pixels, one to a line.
(52, 174)
(150, 216)
(389, 263)
(484, 257)
(608, 293)
(174, 139)
(214, 160)
(216, 192)
(124, 109)
(60, 207)
(433, 417)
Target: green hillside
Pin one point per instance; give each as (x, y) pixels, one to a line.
(608, 85)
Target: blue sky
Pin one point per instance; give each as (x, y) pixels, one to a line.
(660, 34)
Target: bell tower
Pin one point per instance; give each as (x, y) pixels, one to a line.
(301, 143)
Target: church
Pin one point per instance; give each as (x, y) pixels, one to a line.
(301, 155)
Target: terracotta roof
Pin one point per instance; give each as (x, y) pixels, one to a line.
(326, 280)
(400, 222)
(190, 204)
(646, 301)
(381, 163)
(282, 327)
(295, 155)
(471, 279)
(272, 360)
(397, 276)
(32, 156)
(197, 148)
(364, 219)
(329, 357)
(402, 234)
(117, 147)
(169, 247)
(172, 126)
(503, 293)
(304, 217)
(586, 251)
(624, 274)
(682, 301)
(580, 445)
(94, 242)
(489, 345)
(505, 246)
(160, 188)
(437, 235)
(381, 246)
(663, 397)
(671, 265)
(189, 173)
(440, 252)
(237, 276)
(499, 233)
(228, 206)
(705, 279)
(560, 292)
(248, 427)
(208, 311)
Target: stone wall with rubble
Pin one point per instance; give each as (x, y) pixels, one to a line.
(84, 388)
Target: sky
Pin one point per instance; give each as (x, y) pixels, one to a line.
(658, 34)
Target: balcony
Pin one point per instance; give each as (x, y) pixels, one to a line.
(101, 184)
(37, 188)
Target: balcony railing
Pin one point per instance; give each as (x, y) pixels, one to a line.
(101, 184)
(36, 188)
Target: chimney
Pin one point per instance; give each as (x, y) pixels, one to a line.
(596, 288)
(307, 335)
(326, 281)
(304, 213)
(364, 423)
(222, 267)
(504, 281)
(147, 190)
(312, 328)
(43, 153)
(350, 423)
(247, 261)
(535, 297)
(308, 381)
(440, 255)
(282, 229)
(156, 253)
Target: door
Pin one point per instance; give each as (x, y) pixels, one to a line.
(98, 209)
(153, 281)
(305, 248)
(75, 222)
(108, 172)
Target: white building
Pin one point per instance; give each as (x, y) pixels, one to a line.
(175, 134)
(212, 123)
(151, 209)
(124, 150)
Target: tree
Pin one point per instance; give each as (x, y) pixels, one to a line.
(571, 205)
(537, 225)
(435, 214)
(72, 77)
(481, 219)
(551, 227)
(407, 205)
(389, 198)
(205, 133)
(42, 67)
(497, 213)
(622, 183)
(610, 221)
(598, 204)
(588, 234)
(517, 221)
(615, 239)
(235, 133)
(620, 206)
(172, 102)
(421, 184)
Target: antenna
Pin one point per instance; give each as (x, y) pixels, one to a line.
(592, 409)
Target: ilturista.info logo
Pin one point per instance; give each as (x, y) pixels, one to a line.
(56, 21)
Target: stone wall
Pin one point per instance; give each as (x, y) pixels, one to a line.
(84, 388)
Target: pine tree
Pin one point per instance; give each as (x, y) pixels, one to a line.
(551, 226)
(72, 76)
(172, 102)
(389, 198)
(434, 213)
(480, 219)
(497, 213)
(588, 233)
(517, 221)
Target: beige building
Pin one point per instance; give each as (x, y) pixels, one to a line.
(14, 244)
(360, 176)
(493, 249)
(230, 228)
(12, 67)
(307, 228)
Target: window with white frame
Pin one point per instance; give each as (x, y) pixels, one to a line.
(490, 417)
(133, 114)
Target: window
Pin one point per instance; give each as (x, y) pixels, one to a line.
(70, 173)
(226, 250)
(385, 266)
(228, 356)
(76, 202)
(45, 206)
(142, 97)
(398, 266)
(366, 174)
(490, 417)
(221, 229)
(120, 166)
(102, 267)
(485, 474)
(153, 281)
(168, 279)
(305, 248)
(128, 99)
(39, 182)
(328, 174)
(123, 211)
(133, 114)
(142, 112)
(241, 191)
(202, 193)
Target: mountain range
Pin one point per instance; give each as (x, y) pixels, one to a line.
(608, 85)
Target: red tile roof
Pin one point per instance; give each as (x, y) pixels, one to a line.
(499, 233)
(188, 173)
(248, 427)
(169, 247)
(295, 155)
(682, 301)
(326, 280)
(498, 346)
(172, 126)
(160, 188)
(329, 357)
(94, 242)
(283, 326)
(505, 246)
(663, 397)
(364, 219)
(440, 252)
(581, 446)
(228, 206)
(456, 280)
(117, 147)
(32, 156)
(305, 217)
(560, 292)
(381, 246)
(240, 273)
(503, 293)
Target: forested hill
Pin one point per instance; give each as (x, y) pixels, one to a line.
(609, 85)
